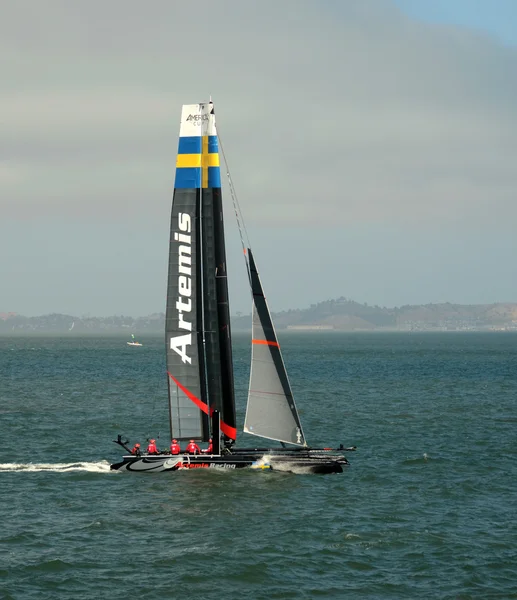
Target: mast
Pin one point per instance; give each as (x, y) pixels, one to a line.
(218, 347)
(218, 351)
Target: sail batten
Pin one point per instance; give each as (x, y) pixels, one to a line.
(271, 412)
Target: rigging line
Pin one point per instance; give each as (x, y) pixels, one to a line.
(238, 214)
(236, 206)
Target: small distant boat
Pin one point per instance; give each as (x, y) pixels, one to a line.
(198, 339)
(133, 342)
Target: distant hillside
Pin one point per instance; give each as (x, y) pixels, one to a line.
(340, 315)
(346, 315)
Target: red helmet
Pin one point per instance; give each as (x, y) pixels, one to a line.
(192, 442)
(152, 441)
(137, 445)
(174, 441)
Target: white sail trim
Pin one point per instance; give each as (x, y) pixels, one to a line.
(304, 445)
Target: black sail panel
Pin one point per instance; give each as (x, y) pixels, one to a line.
(210, 315)
(182, 321)
(224, 339)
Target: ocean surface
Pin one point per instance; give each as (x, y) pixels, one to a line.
(426, 509)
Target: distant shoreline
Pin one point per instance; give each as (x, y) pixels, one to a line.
(240, 333)
(339, 315)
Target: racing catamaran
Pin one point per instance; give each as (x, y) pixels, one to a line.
(199, 341)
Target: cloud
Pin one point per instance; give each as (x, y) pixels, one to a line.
(330, 113)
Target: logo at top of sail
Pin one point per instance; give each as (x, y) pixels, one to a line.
(197, 119)
(184, 303)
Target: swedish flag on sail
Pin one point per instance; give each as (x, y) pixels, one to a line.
(197, 164)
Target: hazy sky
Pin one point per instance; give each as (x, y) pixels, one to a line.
(372, 143)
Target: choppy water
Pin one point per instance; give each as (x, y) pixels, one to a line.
(426, 510)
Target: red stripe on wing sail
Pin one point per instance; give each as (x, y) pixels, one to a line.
(229, 431)
(199, 403)
(266, 342)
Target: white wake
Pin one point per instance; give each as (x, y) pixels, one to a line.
(102, 466)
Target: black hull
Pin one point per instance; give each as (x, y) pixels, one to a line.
(294, 461)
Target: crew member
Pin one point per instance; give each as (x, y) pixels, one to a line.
(192, 448)
(175, 447)
(136, 449)
(151, 448)
(210, 448)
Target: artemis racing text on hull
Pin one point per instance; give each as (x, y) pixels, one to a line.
(297, 461)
